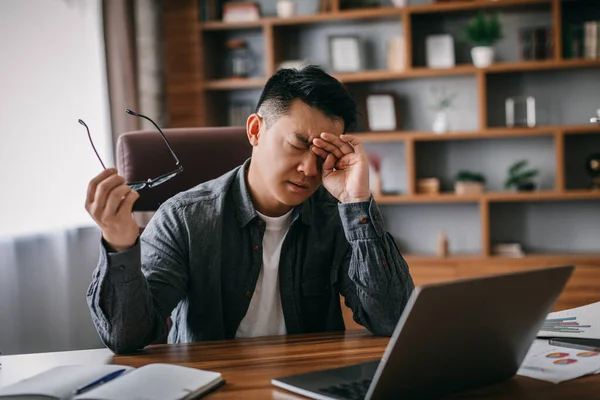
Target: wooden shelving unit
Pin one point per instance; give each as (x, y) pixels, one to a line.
(198, 95)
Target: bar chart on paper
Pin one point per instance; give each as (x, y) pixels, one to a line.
(564, 325)
(583, 322)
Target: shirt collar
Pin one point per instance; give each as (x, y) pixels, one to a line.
(245, 208)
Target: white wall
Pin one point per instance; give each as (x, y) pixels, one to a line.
(52, 72)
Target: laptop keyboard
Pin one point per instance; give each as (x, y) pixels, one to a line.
(356, 390)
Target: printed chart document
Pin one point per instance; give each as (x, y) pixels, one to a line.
(150, 382)
(582, 322)
(558, 364)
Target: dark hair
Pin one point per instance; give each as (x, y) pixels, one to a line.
(314, 87)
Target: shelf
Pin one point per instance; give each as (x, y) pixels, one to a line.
(522, 66)
(433, 258)
(583, 129)
(489, 197)
(366, 13)
(461, 258)
(396, 136)
(415, 73)
(231, 84)
(471, 5)
(542, 196)
(223, 26)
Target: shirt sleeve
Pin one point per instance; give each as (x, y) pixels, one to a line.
(375, 279)
(133, 292)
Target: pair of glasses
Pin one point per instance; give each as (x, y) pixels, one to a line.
(151, 182)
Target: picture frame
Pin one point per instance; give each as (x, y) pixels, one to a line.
(440, 51)
(345, 53)
(382, 112)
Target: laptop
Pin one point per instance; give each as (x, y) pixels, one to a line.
(450, 337)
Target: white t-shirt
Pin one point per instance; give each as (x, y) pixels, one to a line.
(265, 314)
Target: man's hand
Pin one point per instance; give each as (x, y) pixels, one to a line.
(345, 170)
(110, 201)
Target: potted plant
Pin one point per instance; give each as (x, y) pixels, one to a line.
(520, 178)
(483, 31)
(441, 104)
(468, 182)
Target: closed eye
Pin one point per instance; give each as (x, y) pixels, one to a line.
(297, 148)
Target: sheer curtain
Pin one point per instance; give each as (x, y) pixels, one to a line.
(63, 60)
(53, 72)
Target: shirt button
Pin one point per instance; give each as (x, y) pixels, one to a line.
(383, 261)
(248, 294)
(260, 222)
(255, 247)
(363, 220)
(122, 267)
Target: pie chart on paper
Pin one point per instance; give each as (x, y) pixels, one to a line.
(565, 361)
(588, 354)
(557, 355)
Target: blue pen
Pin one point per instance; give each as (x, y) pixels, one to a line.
(100, 381)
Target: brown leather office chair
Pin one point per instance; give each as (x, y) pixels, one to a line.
(204, 154)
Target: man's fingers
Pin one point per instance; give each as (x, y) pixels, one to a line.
(328, 146)
(329, 164)
(91, 190)
(319, 151)
(102, 191)
(126, 206)
(336, 141)
(354, 141)
(114, 200)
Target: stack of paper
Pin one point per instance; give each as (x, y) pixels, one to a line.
(556, 363)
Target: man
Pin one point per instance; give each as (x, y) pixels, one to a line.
(265, 249)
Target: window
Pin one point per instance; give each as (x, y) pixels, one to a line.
(52, 73)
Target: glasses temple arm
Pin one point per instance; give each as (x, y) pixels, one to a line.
(177, 163)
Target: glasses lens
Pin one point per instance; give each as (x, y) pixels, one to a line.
(137, 185)
(163, 179)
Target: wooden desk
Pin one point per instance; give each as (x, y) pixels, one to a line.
(249, 364)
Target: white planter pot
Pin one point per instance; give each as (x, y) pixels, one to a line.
(482, 56)
(286, 8)
(440, 123)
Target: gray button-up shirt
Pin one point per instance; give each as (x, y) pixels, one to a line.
(199, 258)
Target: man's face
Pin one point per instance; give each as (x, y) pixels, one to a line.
(290, 172)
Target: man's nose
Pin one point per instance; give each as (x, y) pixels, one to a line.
(309, 164)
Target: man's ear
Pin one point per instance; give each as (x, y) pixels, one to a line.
(253, 125)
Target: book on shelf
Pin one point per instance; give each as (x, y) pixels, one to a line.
(536, 43)
(113, 382)
(582, 40)
(590, 42)
(512, 250)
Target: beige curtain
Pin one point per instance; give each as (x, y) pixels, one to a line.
(119, 42)
(135, 72)
(134, 58)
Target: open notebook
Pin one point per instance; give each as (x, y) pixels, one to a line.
(150, 382)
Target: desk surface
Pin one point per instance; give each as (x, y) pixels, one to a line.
(249, 364)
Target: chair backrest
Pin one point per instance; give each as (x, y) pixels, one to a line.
(204, 153)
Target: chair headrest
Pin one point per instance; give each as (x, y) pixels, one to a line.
(204, 153)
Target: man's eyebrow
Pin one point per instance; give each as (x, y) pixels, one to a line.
(302, 138)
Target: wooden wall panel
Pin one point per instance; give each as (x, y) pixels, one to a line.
(183, 72)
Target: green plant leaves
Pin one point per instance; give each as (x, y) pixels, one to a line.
(483, 30)
(517, 175)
